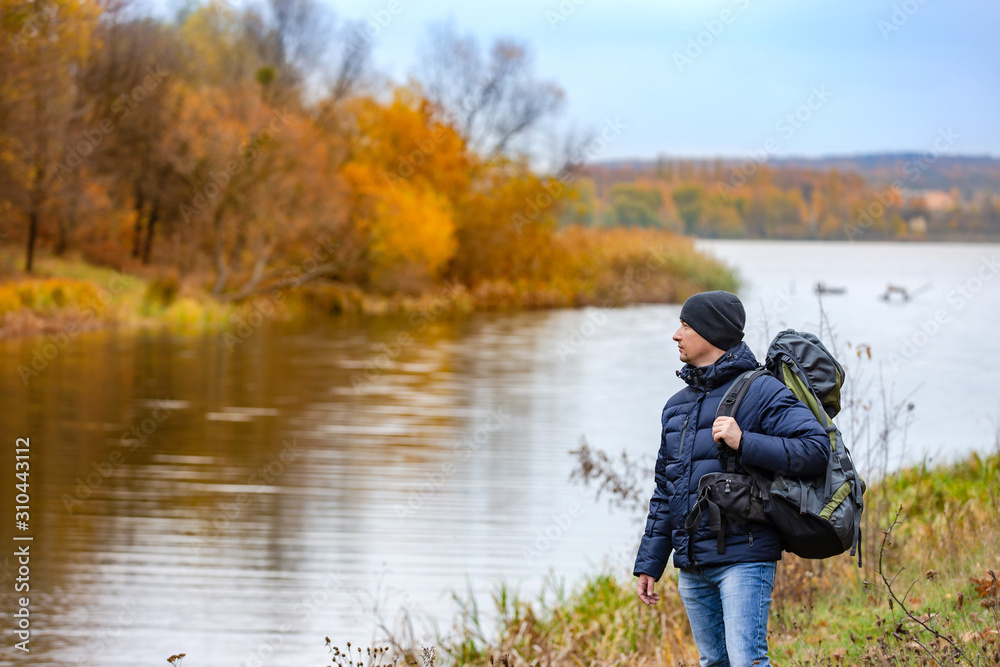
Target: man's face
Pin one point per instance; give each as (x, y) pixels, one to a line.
(694, 349)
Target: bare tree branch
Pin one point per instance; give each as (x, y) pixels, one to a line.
(494, 101)
(321, 271)
(902, 605)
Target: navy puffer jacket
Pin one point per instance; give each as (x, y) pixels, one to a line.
(779, 434)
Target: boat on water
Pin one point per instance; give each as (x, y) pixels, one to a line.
(892, 290)
(823, 288)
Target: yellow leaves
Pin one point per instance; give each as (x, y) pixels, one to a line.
(412, 226)
(49, 295)
(60, 28)
(211, 32)
(506, 227)
(406, 225)
(366, 181)
(45, 43)
(407, 174)
(407, 144)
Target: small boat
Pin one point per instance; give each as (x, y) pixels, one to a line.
(891, 289)
(823, 288)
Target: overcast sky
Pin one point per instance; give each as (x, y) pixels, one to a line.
(707, 78)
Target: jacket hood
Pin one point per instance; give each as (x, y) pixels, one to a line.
(736, 360)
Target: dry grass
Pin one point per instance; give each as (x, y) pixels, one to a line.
(606, 267)
(627, 265)
(927, 594)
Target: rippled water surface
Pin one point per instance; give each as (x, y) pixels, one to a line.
(243, 501)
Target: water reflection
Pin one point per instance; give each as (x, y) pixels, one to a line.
(236, 501)
(226, 502)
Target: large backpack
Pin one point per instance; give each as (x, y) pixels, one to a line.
(816, 517)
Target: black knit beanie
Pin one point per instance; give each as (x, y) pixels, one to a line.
(718, 317)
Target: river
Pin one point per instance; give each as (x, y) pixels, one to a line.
(238, 497)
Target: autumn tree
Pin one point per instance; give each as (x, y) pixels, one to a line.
(408, 174)
(635, 206)
(261, 79)
(690, 202)
(721, 218)
(506, 228)
(45, 43)
(581, 204)
(304, 53)
(257, 186)
(131, 87)
(791, 215)
(494, 100)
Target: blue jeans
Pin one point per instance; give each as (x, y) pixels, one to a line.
(727, 606)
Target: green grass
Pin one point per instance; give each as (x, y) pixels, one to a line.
(936, 557)
(943, 528)
(64, 290)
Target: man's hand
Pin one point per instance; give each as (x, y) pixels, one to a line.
(725, 429)
(646, 593)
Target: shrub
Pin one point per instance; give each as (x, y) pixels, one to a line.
(161, 292)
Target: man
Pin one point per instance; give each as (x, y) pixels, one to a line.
(727, 596)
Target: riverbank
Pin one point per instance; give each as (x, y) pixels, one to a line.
(927, 594)
(65, 295)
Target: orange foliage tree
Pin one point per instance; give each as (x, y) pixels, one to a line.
(44, 44)
(408, 174)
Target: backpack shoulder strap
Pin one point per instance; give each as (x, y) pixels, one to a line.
(730, 403)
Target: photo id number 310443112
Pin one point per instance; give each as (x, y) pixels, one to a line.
(22, 542)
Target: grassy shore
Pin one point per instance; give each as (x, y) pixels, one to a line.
(927, 594)
(67, 295)
(600, 267)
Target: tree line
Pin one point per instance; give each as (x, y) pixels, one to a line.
(228, 144)
(794, 200)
